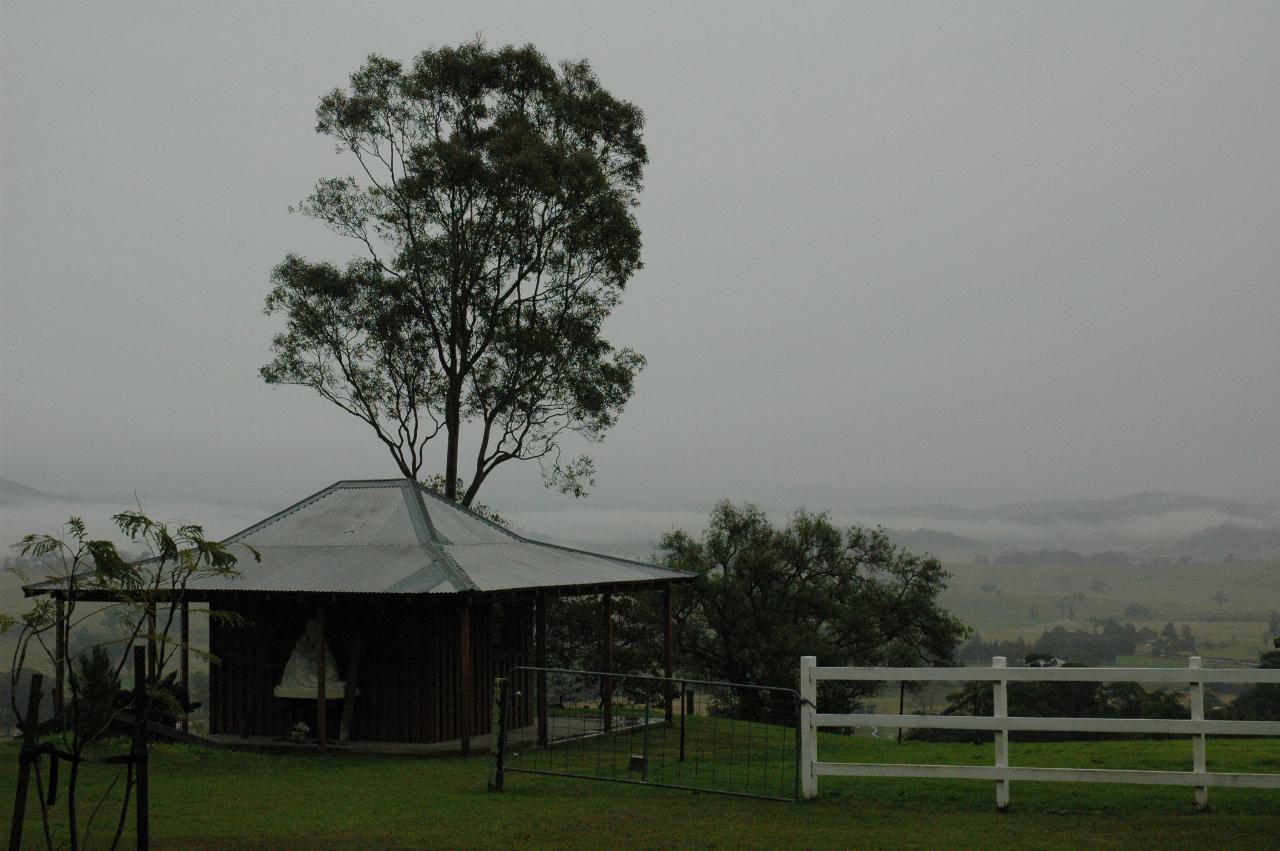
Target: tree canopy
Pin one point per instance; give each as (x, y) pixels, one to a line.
(766, 596)
(493, 201)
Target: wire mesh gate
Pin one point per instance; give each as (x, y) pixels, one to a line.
(727, 738)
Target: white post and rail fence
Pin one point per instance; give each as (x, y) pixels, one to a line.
(999, 723)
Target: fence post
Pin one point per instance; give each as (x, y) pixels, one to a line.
(142, 786)
(684, 714)
(1198, 740)
(606, 682)
(808, 733)
(498, 735)
(60, 666)
(184, 665)
(28, 755)
(644, 766)
(1001, 710)
(540, 660)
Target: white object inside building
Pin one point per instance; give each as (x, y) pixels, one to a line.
(301, 677)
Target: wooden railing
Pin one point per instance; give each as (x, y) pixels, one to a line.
(811, 720)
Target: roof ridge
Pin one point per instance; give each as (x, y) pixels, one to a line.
(436, 541)
(521, 538)
(280, 515)
(467, 510)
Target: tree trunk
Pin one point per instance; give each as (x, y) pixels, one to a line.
(453, 425)
(473, 488)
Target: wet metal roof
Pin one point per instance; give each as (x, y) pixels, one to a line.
(393, 536)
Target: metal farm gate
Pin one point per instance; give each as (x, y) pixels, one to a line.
(727, 738)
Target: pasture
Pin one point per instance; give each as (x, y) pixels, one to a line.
(223, 799)
(1007, 601)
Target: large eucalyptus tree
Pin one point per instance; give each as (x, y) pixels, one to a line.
(493, 198)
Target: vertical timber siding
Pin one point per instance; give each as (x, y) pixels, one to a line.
(409, 668)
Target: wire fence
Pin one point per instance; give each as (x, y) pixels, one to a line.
(678, 733)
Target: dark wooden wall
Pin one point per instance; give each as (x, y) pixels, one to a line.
(409, 673)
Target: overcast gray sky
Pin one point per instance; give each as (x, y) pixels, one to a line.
(895, 252)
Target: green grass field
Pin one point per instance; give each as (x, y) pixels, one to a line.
(222, 799)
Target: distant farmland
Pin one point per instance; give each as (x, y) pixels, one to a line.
(1005, 601)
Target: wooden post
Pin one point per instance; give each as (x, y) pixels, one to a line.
(60, 662)
(684, 717)
(540, 660)
(498, 734)
(349, 699)
(153, 662)
(902, 706)
(30, 725)
(808, 733)
(668, 641)
(465, 675)
(142, 788)
(606, 685)
(1001, 706)
(322, 674)
(184, 662)
(1198, 741)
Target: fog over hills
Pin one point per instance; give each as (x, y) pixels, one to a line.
(12, 493)
(25, 509)
(1139, 521)
(1155, 524)
(1088, 510)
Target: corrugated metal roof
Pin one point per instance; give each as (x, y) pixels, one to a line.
(517, 564)
(367, 569)
(451, 526)
(345, 517)
(392, 536)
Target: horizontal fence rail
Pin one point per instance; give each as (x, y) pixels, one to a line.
(1055, 675)
(1002, 725)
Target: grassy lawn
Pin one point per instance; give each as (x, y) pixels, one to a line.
(221, 799)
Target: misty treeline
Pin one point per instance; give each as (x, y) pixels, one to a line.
(1061, 557)
(764, 596)
(1099, 645)
(492, 204)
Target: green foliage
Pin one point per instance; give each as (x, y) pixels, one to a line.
(765, 596)
(1174, 642)
(1260, 702)
(96, 683)
(1099, 645)
(169, 700)
(575, 633)
(494, 211)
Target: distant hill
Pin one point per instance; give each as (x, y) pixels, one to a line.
(13, 493)
(1228, 540)
(1144, 522)
(945, 545)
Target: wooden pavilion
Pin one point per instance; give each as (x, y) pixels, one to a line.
(417, 602)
